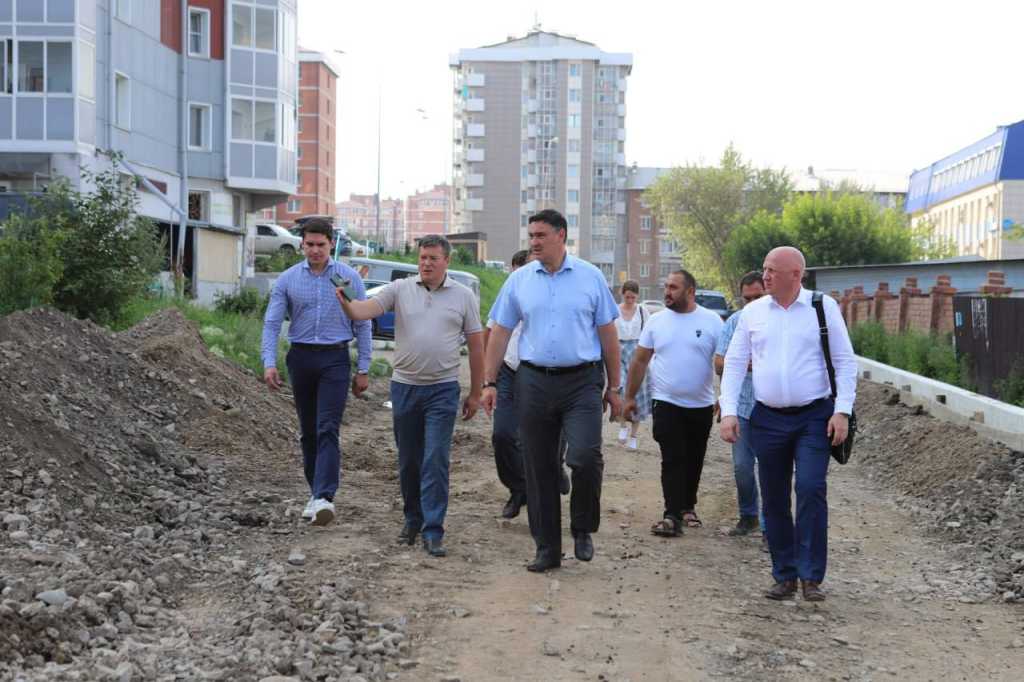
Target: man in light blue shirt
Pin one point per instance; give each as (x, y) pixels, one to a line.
(743, 458)
(318, 360)
(568, 328)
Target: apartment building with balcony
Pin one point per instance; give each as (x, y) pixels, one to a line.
(651, 252)
(358, 217)
(80, 78)
(539, 122)
(317, 141)
(427, 213)
(974, 197)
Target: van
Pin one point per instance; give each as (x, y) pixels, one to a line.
(389, 271)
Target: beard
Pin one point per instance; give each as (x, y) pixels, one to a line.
(677, 306)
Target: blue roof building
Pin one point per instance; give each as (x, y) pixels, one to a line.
(975, 195)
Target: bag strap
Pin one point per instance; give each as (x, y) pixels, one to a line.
(641, 317)
(819, 307)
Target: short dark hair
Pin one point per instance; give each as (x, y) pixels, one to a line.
(318, 226)
(689, 281)
(631, 285)
(552, 218)
(519, 258)
(752, 277)
(435, 240)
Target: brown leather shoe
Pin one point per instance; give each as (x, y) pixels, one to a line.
(784, 589)
(812, 591)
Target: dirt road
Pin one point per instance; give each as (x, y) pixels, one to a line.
(647, 608)
(149, 503)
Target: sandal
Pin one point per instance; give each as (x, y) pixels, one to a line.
(667, 528)
(691, 520)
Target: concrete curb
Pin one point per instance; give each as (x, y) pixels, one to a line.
(989, 417)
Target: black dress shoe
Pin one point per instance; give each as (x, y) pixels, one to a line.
(408, 535)
(513, 506)
(564, 486)
(584, 546)
(434, 547)
(542, 562)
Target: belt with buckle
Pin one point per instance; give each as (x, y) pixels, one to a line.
(554, 371)
(321, 346)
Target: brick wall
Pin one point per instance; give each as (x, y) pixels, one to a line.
(928, 311)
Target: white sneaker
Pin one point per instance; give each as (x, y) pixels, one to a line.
(323, 512)
(623, 434)
(307, 513)
(631, 444)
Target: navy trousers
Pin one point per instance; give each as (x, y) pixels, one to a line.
(784, 442)
(319, 380)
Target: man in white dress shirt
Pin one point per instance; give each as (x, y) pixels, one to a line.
(795, 419)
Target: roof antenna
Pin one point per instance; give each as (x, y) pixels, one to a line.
(536, 22)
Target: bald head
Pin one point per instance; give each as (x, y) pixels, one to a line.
(783, 271)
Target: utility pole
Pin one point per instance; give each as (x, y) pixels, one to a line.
(377, 197)
(179, 266)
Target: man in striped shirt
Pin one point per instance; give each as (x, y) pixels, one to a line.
(318, 361)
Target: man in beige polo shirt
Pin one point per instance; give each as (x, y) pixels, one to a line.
(432, 314)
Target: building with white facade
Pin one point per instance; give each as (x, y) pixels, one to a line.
(975, 196)
(539, 122)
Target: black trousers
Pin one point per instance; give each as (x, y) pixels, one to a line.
(682, 434)
(550, 405)
(508, 454)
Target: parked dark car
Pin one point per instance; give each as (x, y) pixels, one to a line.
(714, 301)
(383, 326)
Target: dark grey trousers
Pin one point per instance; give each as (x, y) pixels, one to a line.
(508, 454)
(549, 405)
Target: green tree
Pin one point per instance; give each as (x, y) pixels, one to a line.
(702, 205)
(750, 242)
(30, 263)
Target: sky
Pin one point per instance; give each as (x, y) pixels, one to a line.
(872, 86)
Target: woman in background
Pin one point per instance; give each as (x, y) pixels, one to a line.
(631, 321)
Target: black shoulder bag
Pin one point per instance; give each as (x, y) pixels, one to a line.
(840, 453)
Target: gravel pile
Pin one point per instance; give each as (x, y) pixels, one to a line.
(969, 489)
(128, 514)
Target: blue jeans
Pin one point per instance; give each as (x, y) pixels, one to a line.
(781, 441)
(320, 383)
(424, 418)
(744, 462)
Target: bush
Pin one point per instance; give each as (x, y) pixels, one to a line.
(1011, 389)
(30, 264)
(247, 301)
(279, 262)
(870, 341)
(462, 256)
(931, 356)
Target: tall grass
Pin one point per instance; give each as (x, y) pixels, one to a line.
(929, 355)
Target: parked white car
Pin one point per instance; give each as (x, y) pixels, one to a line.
(271, 239)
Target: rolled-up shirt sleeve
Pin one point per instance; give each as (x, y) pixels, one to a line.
(362, 329)
(736, 360)
(385, 298)
(843, 359)
(272, 320)
(607, 311)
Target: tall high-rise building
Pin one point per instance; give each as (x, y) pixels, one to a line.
(317, 145)
(540, 123)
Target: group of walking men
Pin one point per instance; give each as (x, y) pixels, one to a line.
(548, 366)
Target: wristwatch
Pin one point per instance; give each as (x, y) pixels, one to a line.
(490, 384)
(363, 372)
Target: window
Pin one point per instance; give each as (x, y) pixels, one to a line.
(572, 170)
(574, 120)
(263, 29)
(645, 222)
(123, 10)
(574, 146)
(573, 220)
(122, 101)
(241, 119)
(87, 71)
(241, 25)
(574, 95)
(645, 246)
(198, 32)
(294, 205)
(664, 269)
(199, 126)
(645, 270)
(574, 196)
(30, 66)
(299, 153)
(6, 66)
(574, 69)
